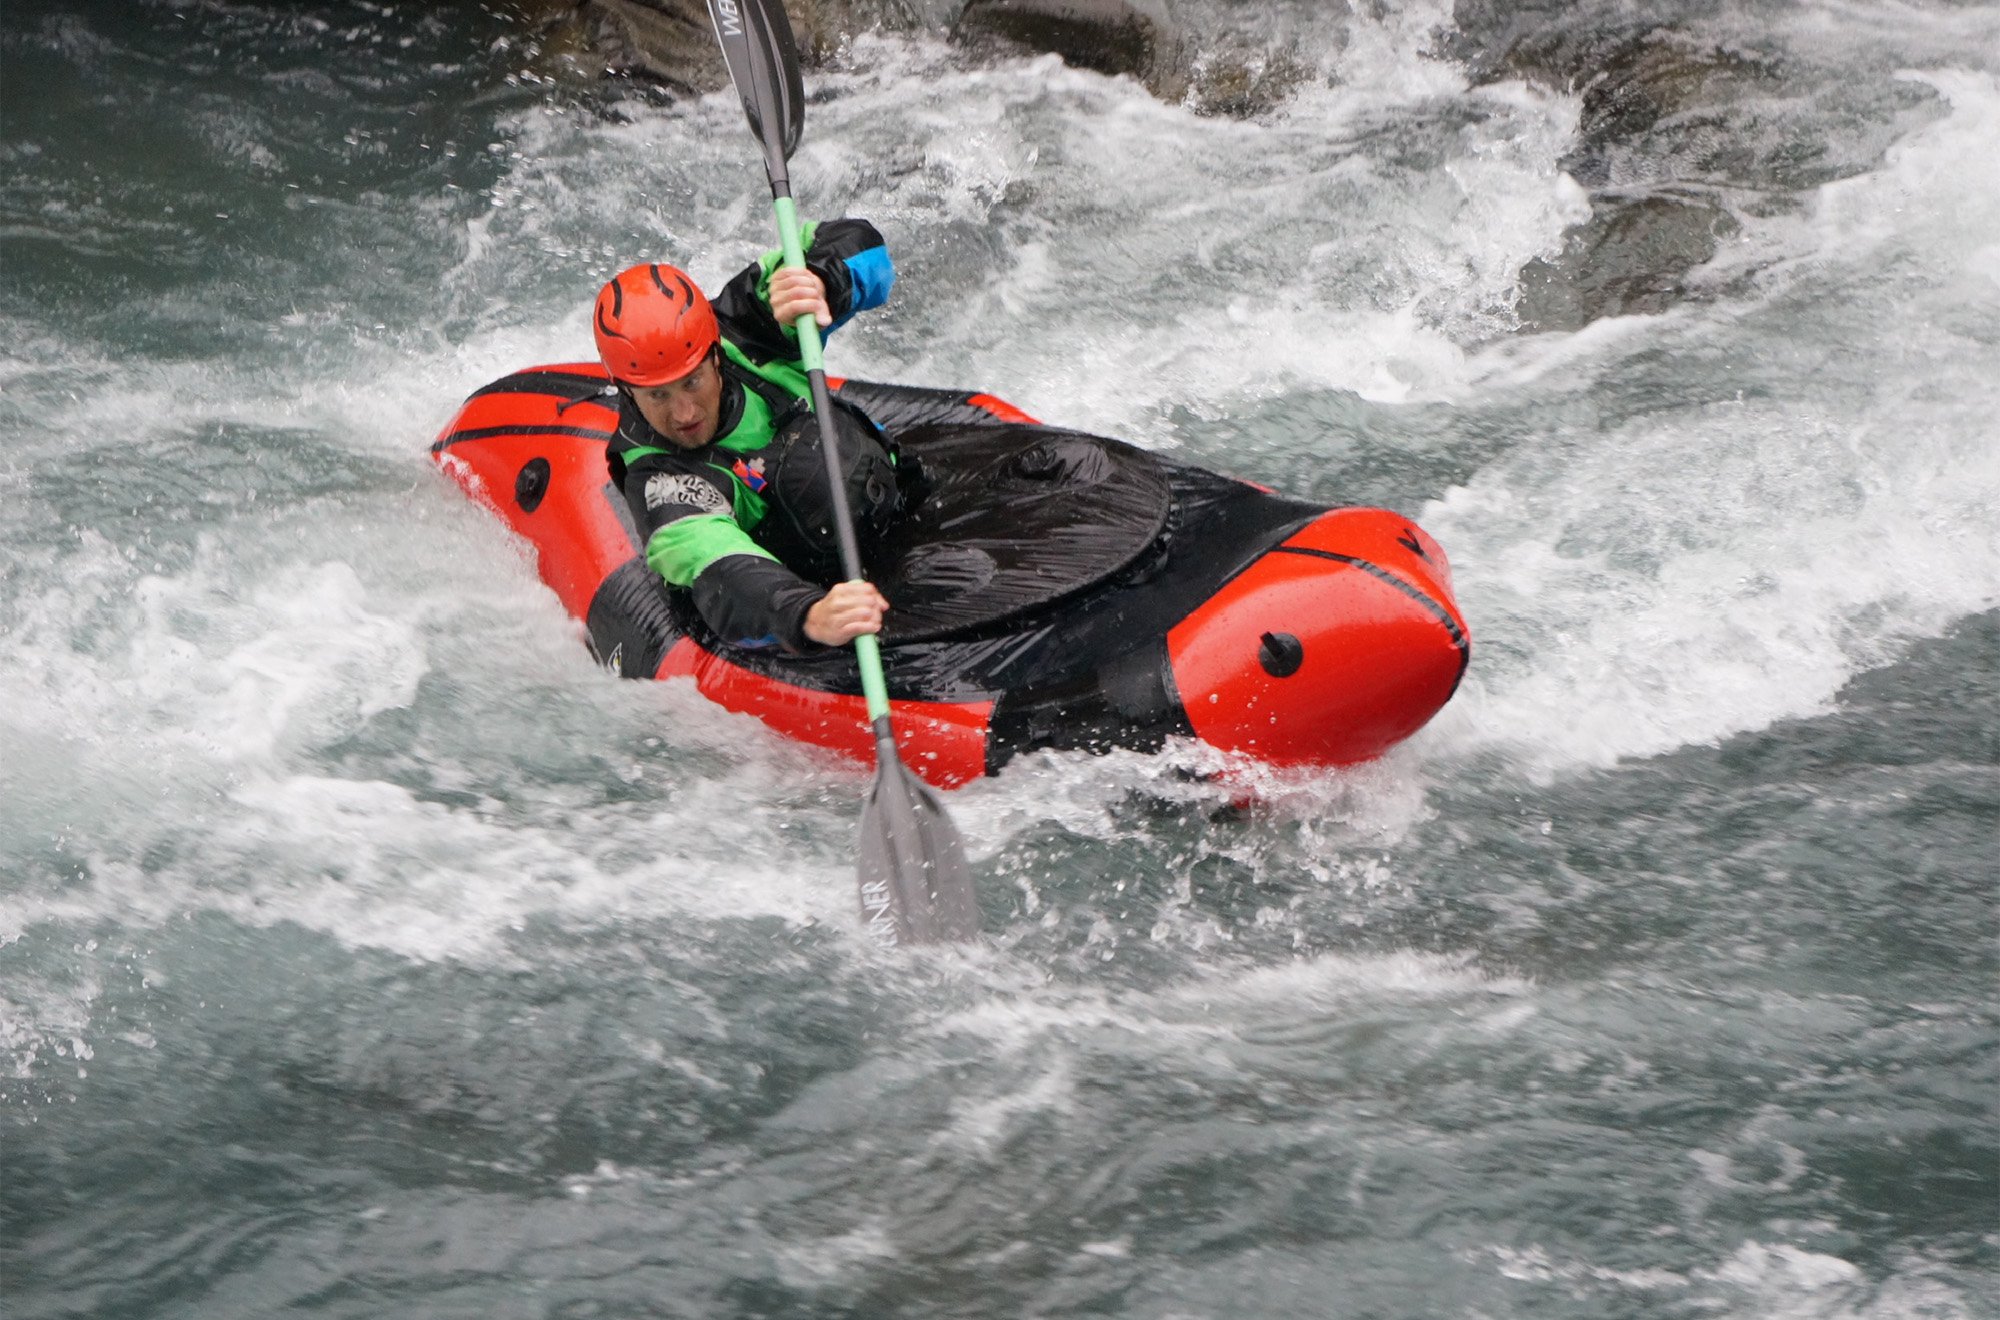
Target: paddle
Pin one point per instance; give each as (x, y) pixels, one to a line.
(914, 884)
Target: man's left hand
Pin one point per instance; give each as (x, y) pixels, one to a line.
(795, 292)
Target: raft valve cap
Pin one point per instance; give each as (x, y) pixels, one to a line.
(1280, 654)
(531, 483)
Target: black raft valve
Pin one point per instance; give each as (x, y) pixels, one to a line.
(1281, 654)
(531, 483)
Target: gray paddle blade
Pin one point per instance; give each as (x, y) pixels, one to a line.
(915, 888)
(763, 62)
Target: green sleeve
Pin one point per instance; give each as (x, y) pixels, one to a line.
(684, 547)
(775, 258)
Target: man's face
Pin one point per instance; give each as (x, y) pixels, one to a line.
(685, 410)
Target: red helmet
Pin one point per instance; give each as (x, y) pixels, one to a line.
(653, 325)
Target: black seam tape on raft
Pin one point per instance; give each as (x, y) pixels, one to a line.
(562, 384)
(522, 428)
(1415, 593)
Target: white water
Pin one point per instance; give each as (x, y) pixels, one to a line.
(333, 698)
(1634, 585)
(1699, 571)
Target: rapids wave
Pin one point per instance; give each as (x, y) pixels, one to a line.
(366, 950)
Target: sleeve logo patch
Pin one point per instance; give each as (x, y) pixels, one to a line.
(664, 489)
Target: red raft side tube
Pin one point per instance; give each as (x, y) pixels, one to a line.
(534, 455)
(509, 448)
(1356, 636)
(943, 741)
(1326, 643)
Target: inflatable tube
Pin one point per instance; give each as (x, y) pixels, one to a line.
(1194, 605)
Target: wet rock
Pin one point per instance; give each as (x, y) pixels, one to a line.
(1139, 39)
(667, 45)
(667, 41)
(1240, 82)
(560, 44)
(1658, 103)
(1109, 36)
(1630, 258)
(659, 45)
(1653, 79)
(1660, 148)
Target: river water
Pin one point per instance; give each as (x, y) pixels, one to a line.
(365, 951)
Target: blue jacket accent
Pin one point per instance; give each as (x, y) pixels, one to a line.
(870, 275)
(850, 259)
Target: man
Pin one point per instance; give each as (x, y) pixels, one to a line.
(719, 458)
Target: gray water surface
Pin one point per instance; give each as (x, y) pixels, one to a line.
(365, 951)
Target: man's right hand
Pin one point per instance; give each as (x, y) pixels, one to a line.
(796, 291)
(844, 613)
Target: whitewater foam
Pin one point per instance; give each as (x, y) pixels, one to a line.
(1710, 566)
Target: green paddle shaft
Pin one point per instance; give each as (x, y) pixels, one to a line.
(866, 649)
(915, 886)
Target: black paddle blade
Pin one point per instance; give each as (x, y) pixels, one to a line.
(763, 62)
(915, 888)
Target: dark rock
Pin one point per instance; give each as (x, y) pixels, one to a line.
(667, 41)
(1659, 147)
(1647, 81)
(1630, 258)
(1215, 76)
(1556, 43)
(559, 44)
(667, 45)
(1631, 78)
(1239, 83)
(1109, 36)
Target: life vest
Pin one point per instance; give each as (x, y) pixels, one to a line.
(773, 457)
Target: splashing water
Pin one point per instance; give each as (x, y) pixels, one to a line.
(367, 949)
